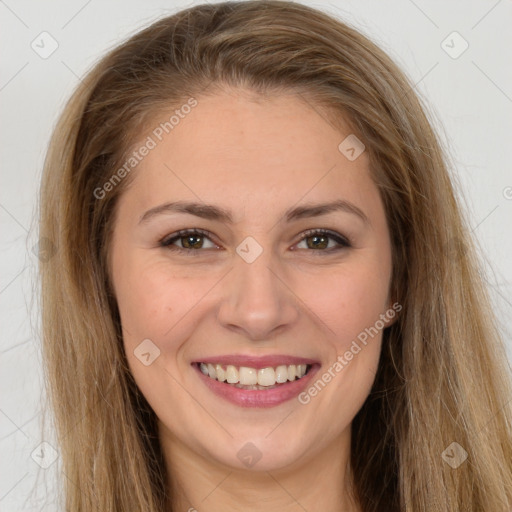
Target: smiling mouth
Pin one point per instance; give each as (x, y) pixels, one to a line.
(244, 377)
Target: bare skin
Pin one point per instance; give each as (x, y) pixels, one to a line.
(257, 158)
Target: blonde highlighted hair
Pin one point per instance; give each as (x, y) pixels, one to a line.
(443, 376)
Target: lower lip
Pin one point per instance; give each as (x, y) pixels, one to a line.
(256, 397)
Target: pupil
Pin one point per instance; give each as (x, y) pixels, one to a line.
(189, 243)
(318, 241)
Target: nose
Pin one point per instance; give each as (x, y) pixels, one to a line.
(256, 300)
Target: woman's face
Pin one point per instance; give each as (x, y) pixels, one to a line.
(258, 295)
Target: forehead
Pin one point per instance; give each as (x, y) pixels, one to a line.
(242, 147)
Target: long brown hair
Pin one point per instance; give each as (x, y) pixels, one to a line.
(442, 377)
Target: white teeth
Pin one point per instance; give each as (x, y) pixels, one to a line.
(252, 378)
(248, 376)
(282, 374)
(266, 377)
(232, 374)
(211, 371)
(221, 374)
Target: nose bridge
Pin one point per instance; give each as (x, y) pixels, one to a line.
(256, 279)
(255, 300)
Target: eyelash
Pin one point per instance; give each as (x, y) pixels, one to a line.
(169, 240)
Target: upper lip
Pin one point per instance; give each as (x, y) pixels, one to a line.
(257, 362)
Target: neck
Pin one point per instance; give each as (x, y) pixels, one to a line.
(322, 482)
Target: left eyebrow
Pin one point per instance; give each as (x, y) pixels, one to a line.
(212, 212)
(315, 210)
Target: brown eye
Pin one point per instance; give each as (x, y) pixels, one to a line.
(317, 241)
(188, 240)
(192, 241)
(322, 240)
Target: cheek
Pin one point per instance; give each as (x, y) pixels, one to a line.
(165, 306)
(351, 307)
(351, 301)
(350, 304)
(151, 298)
(153, 305)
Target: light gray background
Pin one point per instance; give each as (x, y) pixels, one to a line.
(470, 97)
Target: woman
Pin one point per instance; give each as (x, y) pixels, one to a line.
(264, 295)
